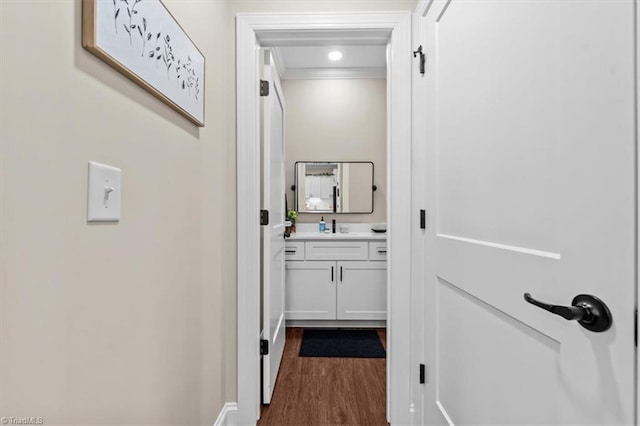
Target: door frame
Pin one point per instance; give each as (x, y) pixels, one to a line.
(250, 30)
(637, 224)
(420, 262)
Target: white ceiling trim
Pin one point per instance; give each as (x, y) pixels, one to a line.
(278, 58)
(325, 38)
(333, 73)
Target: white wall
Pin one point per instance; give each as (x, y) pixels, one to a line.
(338, 120)
(112, 323)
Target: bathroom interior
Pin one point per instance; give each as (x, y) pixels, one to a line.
(335, 251)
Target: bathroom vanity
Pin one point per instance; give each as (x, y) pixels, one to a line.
(336, 279)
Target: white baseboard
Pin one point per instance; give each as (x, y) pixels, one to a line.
(337, 323)
(228, 415)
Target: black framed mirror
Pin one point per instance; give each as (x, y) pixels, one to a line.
(334, 186)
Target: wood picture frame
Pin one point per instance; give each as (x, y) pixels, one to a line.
(142, 40)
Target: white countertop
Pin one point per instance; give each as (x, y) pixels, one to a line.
(311, 236)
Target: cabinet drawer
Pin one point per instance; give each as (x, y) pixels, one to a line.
(378, 250)
(294, 250)
(336, 250)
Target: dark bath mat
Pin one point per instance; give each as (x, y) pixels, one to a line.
(341, 343)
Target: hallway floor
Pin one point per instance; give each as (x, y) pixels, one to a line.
(327, 391)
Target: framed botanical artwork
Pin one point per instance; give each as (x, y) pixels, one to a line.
(143, 41)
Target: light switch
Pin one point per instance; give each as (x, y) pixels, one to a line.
(104, 193)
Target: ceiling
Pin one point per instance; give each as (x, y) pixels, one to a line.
(312, 62)
(303, 54)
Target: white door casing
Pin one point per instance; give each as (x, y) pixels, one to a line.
(530, 185)
(273, 193)
(268, 29)
(637, 52)
(420, 261)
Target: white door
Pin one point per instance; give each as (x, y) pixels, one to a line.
(529, 186)
(273, 193)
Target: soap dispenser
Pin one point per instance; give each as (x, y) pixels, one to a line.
(322, 225)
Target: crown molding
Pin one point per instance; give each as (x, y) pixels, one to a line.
(333, 73)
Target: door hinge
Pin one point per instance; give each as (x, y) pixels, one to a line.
(264, 347)
(264, 88)
(423, 374)
(423, 58)
(264, 217)
(423, 219)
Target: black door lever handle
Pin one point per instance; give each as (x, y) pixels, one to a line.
(567, 312)
(589, 311)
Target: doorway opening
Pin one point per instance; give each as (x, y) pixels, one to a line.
(266, 30)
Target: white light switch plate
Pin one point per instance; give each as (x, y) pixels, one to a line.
(104, 193)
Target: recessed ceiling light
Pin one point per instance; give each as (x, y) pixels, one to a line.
(335, 55)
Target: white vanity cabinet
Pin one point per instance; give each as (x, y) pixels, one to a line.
(334, 279)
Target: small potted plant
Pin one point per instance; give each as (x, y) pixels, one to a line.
(292, 215)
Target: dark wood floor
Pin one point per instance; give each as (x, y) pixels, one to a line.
(327, 391)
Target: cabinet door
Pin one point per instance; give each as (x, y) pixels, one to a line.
(310, 290)
(362, 290)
